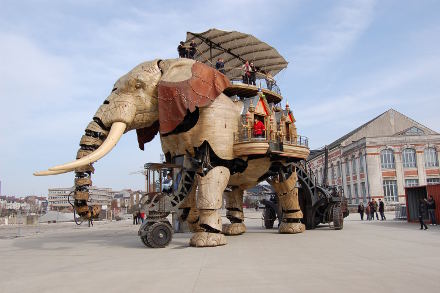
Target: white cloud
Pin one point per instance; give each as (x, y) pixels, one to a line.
(331, 38)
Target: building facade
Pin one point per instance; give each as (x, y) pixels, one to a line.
(58, 198)
(380, 158)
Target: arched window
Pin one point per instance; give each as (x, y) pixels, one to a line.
(431, 159)
(409, 158)
(387, 159)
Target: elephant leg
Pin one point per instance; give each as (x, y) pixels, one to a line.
(234, 212)
(208, 201)
(190, 213)
(288, 199)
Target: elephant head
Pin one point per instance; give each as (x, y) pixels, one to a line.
(135, 102)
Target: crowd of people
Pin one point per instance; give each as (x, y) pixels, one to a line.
(249, 70)
(371, 210)
(426, 209)
(187, 51)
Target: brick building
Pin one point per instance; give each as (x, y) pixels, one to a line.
(380, 158)
(58, 197)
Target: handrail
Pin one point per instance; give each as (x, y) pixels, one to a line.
(246, 134)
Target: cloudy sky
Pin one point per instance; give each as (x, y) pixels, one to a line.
(349, 61)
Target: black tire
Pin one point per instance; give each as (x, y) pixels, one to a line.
(145, 227)
(269, 217)
(338, 217)
(159, 235)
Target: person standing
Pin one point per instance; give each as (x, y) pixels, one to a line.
(182, 50)
(430, 203)
(220, 65)
(252, 74)
(135, 218)
(368, 211)
(375, 208)
(246, 72)
(361, 210)
(422, 214)
(382, 210)
(372, 210)
(259, 128)
(192, 50)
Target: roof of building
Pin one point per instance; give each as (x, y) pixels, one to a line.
(388, 116)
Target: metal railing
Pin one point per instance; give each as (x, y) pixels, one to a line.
(261, 84)
(247, 134)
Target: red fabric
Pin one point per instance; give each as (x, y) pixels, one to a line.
(259, 128)
(175, 98)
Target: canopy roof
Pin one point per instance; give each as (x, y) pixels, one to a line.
(235, 48)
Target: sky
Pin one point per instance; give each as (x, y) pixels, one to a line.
(349, 61)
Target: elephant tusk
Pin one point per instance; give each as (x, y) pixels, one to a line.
(47, 173)
(116, 131)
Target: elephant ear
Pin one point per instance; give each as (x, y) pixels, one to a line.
(177, 98)
(147, 134)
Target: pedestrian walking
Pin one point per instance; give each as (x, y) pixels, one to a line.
(422, 214)
(361, 210)
(382, 210)
(430, 203)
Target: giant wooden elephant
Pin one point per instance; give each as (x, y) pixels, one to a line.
(184, 101)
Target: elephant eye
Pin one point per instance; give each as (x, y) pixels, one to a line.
(114, 89)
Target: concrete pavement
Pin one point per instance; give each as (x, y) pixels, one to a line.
(109, 257)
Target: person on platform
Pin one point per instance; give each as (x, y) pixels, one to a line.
(430, 203)
(246, 74)
(361, 210)
(252, 74)
(259, 128)
(220, 65)
(270, 81)
(192, 50)
(183, 53)
(422, 214)
(382, 210)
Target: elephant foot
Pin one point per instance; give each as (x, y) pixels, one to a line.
(233, 229)
(194, 227)
(291, 228)
(205, 239)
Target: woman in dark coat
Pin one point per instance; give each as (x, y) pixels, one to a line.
(422, 214)
(361, 210)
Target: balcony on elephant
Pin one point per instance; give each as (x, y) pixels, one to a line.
(244, 90)
(275, 134)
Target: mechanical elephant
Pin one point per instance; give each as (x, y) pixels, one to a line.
(183, 100)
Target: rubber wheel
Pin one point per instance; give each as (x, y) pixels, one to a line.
(159, 235)
(338, 218)
(144, 238)
(269, 218)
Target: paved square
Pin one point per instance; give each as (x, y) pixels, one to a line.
(109, 257)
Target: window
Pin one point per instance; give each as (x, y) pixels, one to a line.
(349, 192)
(356, 193)
(339, 169)
(364, 191)
(414, 131)
(433, 180)
(347, 168)
(353, 166)
(411, 182)
(387, 159)
(361, 163)
(390, 190)
(409, 158)
(431, 159)
(333, 172)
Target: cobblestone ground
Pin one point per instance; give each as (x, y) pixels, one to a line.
(376, 256)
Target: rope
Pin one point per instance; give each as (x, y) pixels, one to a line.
(74, 211)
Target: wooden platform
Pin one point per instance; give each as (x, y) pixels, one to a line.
(245, 91)
(262, 147)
